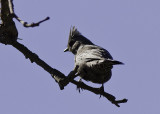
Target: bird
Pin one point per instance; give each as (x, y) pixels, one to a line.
(92, 62)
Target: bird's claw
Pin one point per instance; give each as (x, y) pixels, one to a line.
(79, 88)
(101, 89)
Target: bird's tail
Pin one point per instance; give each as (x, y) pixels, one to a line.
(104, 61)
(113, 62)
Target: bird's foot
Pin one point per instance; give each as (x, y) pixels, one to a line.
(101, 89)
(79, 88)
(73, 74)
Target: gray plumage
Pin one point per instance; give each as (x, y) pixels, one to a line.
(94, 62)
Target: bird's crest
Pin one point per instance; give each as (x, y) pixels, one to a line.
(73, 32)
(75, 35)
(76, 39)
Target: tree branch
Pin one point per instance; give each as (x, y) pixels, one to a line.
(97, 91)
(60, 77)
(57, 75)
(25, 24)
(9, 35)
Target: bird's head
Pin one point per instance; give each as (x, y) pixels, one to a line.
(76, 39)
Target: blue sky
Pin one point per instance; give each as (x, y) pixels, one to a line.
(128, 29)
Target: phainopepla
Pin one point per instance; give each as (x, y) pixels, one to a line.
(92, 63)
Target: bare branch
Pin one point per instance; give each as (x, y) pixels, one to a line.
(57, 75)
(10, 4)
(97, 91)
(25, 24)
(9, 34)
(60, 77)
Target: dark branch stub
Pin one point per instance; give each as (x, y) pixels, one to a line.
(8, 30)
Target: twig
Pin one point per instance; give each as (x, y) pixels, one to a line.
(10, 4)
(25, 24)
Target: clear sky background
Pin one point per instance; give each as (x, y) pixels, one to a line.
(128, 29)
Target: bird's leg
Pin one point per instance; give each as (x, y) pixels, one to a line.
(69, 78)
(101, 90)
(74, 73)
(78, 88)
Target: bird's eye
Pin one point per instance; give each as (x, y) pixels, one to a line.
(71, 43)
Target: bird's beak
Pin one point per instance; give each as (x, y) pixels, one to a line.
(66, 50)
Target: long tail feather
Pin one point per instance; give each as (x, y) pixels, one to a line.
(114, 62)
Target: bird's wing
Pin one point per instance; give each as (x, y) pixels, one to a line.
(92, 55)
(96, 52)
